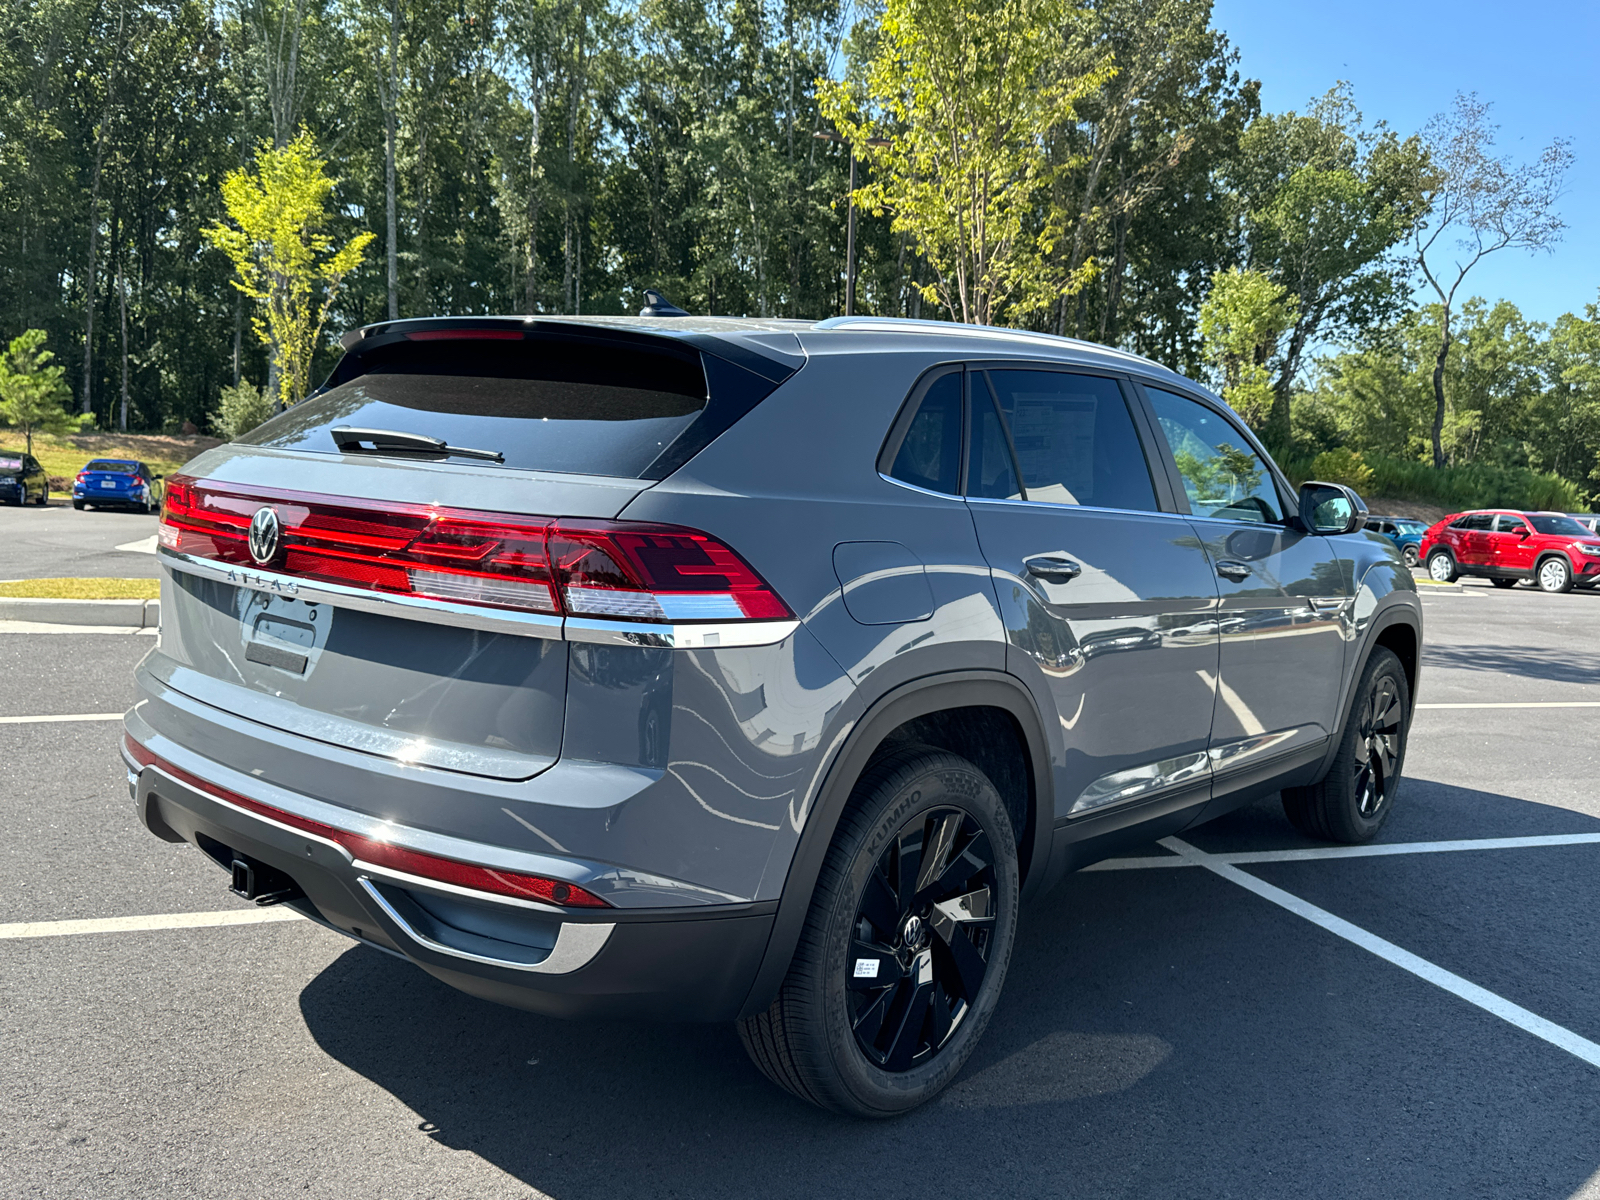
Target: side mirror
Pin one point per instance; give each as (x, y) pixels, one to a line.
(1331, 508)
(1524, 533)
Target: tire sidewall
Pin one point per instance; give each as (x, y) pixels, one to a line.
(1436, 556)
(952, 784)
(1566, 570)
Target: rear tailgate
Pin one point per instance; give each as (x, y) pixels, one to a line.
(398, 611)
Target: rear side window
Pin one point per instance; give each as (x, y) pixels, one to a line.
(930, 455)
(1473, 521)
(591, 405)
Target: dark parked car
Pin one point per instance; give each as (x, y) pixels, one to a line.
(1405, 532)
(751, 671)
(1506, 547)
(22, 479)
(117, 483)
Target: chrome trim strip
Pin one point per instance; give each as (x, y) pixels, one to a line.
(576, 944)
(442, 612)
(605, 632)
(1137, 783)
(422, 883)
(1238, 753)
(678, 637)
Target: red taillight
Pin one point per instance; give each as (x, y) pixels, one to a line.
(635, 571)
(386, 854)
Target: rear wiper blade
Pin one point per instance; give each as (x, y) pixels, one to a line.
(382, 441)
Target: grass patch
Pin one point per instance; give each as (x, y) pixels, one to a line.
(82, 589)
(63, 457)
(1456, 488)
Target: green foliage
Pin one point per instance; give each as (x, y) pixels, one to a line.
(962, 99)
(240, 409)
(1343, 466)
(1241, 321)
(1475, 486)
(33, 394)
(282, 256)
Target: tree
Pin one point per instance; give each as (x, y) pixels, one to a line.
(32, 392)
(1324, 202)
(282, 256)
(1241, 321)
(961, 98)
(1490, 204)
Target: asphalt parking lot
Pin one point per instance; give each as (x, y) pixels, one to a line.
(1272, 1018)
(42, 543)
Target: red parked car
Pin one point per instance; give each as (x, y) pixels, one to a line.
(1549, 549)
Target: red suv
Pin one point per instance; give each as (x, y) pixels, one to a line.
(1550, 549)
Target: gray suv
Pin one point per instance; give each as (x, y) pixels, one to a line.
(746, 670)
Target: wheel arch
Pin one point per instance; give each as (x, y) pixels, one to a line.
(1546, 555)
(1398, 629)
(920, 710)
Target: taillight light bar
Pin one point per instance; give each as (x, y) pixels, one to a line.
(629, 570)
(386, 854)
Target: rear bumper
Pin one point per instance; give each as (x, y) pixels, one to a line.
(693, 965)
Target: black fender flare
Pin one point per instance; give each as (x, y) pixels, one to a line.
(916, 698)
(1546, 556)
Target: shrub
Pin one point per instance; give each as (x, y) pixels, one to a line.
(1476, 485)
(243, 406)
(1342, 466)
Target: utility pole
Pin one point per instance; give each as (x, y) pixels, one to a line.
(850, 220)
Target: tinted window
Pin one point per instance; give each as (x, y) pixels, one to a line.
(583, 404)
(10, 462)
(1473, 521)
(1559, 527)
(1505, 524)
(1074, 439)
(991, 473)
(1222, 476)
(113, 466)
(930, 456)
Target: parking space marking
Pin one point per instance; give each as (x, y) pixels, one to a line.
(193, 920)
(61, 717)
(1465, 989)
(1312, 854)
(1529, 704)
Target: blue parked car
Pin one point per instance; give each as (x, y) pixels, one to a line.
(117, 482)
(1405, 532)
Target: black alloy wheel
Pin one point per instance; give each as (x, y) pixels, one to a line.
(922, 933)
(1377, 747)
(1353, 800)
(905, 947)
(1409, 553)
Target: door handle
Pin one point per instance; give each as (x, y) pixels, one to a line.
(1055, 568)
(1235, 571)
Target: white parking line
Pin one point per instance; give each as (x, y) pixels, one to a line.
(116, 716)
(1244, 857)
(1499, 1006)
(1531, 704)
(194, 920)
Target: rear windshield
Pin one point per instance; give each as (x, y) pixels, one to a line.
(1558, 526)
(581, 405)
(10, 462)
(115, 468)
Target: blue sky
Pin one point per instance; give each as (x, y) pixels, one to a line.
(1405, 59)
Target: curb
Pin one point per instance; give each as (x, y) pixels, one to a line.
(1429, 585)
(131, 614)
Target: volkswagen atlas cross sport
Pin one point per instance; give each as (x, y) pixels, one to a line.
(745, 670)
(1550, 550)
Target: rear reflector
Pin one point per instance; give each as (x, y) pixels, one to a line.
(386, 854)
(630, 570)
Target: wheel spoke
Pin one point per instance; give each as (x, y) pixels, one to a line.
(907, 1038)
(880, 906)
(868, 1023)
(908, 862)
(974, 857)
(967, 964)
(939, 842)
(1388, 754)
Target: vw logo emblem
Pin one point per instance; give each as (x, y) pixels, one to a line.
(264, 535)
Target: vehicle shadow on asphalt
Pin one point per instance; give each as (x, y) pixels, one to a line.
(1555, 665)
(1161, 1031)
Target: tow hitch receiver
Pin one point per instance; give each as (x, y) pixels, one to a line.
(265, 885)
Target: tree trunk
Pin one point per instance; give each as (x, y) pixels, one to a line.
(122, 302)
(392, 102)
(94, 221)
(238, 333)
(1438, 392)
